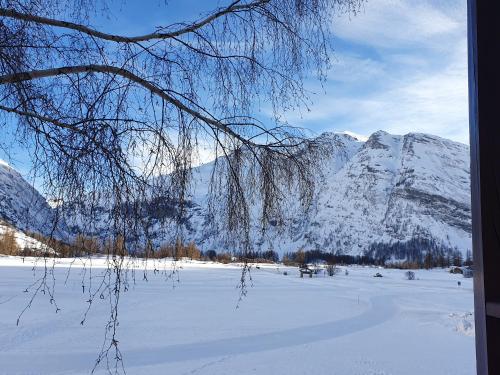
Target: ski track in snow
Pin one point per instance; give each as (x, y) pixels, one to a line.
(381, 310)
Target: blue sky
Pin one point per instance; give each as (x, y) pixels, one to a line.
(399, 66)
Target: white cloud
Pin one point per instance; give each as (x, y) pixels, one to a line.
(355, 69)
(397, 23)
(403, 68)
(432, 102)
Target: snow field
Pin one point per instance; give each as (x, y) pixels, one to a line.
(192, 322)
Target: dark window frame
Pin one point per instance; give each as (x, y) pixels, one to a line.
(484, 110)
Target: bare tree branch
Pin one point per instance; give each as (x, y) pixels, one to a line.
(37, 74)
(234, 7)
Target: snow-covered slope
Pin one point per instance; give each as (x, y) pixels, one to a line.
(386, 189)
(393, 189)
(22, 206)
(24, 242)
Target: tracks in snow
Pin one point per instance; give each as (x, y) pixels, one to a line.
(382, 309)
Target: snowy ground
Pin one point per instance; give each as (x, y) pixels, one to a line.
(352, 325)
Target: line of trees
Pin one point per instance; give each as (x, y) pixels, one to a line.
(312, 256)
(87, 245)
(268, 256)
(419, 253)
(415, 253)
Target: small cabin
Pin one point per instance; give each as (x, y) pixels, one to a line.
(467, 272)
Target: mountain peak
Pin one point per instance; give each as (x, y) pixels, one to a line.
(344, 134)
(382, 140)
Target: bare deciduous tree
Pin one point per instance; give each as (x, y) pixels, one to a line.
(8, 243)
(117, 120)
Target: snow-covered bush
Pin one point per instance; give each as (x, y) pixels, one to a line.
(331, 269)
(410, 275)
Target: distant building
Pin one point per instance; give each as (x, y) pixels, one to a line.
(468, 272)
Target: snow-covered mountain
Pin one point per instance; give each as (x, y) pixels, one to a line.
(22, 206)
(385, 189)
